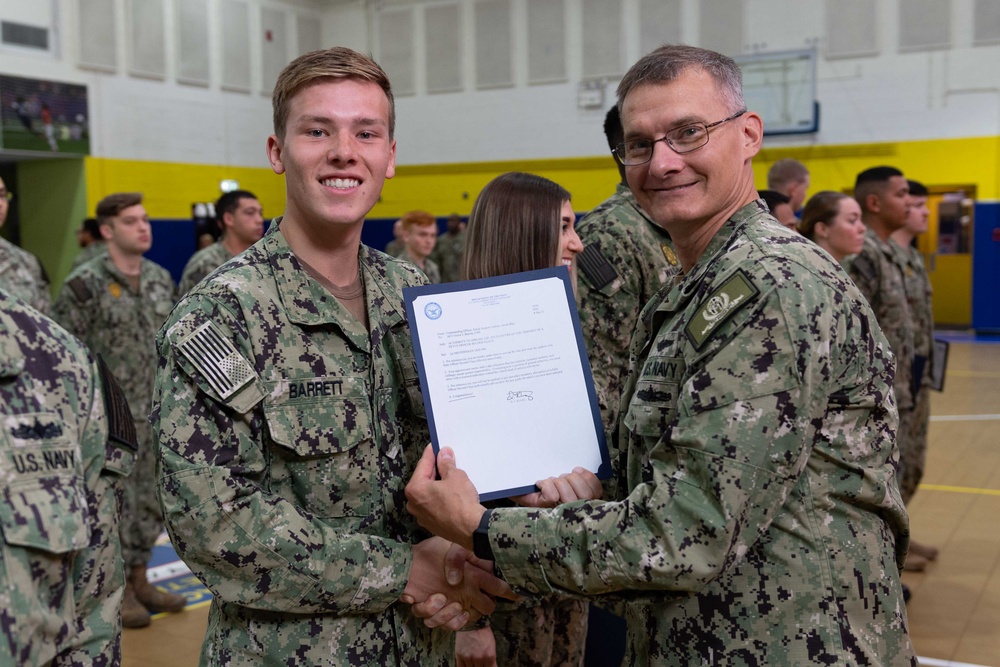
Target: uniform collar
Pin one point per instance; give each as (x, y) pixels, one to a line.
(884, 247)
(308, 303)
(116, 273)
(625, 193)
(690, 283)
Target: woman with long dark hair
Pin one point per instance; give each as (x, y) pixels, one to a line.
(522, 222)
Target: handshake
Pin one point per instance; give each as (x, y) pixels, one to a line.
(448, 585)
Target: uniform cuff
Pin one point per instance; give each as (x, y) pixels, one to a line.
(512, 535)
(386, 573)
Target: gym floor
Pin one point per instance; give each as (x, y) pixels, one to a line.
(955, 610)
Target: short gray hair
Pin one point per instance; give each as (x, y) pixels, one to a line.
(666, 63)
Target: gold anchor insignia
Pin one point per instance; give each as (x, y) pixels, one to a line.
(669, 253)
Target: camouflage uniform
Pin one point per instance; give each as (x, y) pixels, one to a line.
(22, 275)
(282, 467)
(97, 305)
(201, 264)
(879, 273)
(539, 631)
(61, 578)
(95, 249)
(918, 296)
(764, 525)
(395, 247)
(448, 255)
(552, 632)
(627, 259)
(430, 269)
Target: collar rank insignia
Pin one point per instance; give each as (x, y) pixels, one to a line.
(669, 253)
(215, 357)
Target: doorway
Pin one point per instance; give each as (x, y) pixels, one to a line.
(947, 253)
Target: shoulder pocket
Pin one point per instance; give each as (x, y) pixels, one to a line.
(43, 503)
(598, 271)
(212, 361)
(123, 444)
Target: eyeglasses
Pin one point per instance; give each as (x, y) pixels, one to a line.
(6, 194)
(681, 140)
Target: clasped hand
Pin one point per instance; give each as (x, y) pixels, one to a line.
(451, 586)
(450, 507)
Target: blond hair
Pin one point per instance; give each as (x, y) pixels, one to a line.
(336, 63)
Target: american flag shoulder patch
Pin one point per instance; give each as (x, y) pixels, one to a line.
(215, 357)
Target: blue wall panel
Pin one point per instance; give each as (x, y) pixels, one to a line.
(986, 267)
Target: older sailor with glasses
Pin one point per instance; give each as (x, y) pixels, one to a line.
(762, 524)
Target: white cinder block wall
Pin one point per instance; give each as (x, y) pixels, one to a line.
(914, 69)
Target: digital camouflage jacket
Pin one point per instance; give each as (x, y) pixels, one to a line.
(286, 435)
(763, 524)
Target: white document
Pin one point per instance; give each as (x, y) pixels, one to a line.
(505, 379)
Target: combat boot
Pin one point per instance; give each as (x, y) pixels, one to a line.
(134, 615)
(152, 597)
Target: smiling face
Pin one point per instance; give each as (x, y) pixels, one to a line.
(335, 155)
(569, 242)
(700, 189)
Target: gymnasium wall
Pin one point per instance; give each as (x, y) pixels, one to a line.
(452, 188)
(485, 87)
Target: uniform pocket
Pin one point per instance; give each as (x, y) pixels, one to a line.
(44, 502)
(325, 454)
(653, 406)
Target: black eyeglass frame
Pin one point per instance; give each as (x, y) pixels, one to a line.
(619, 150)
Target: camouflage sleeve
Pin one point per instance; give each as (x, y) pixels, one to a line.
(193, 274)
(71, 310)
(751, 403)
(863, 270)
(252, 547)
(432, 271)
(43, 298)
(99, 579)
(608, 317)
